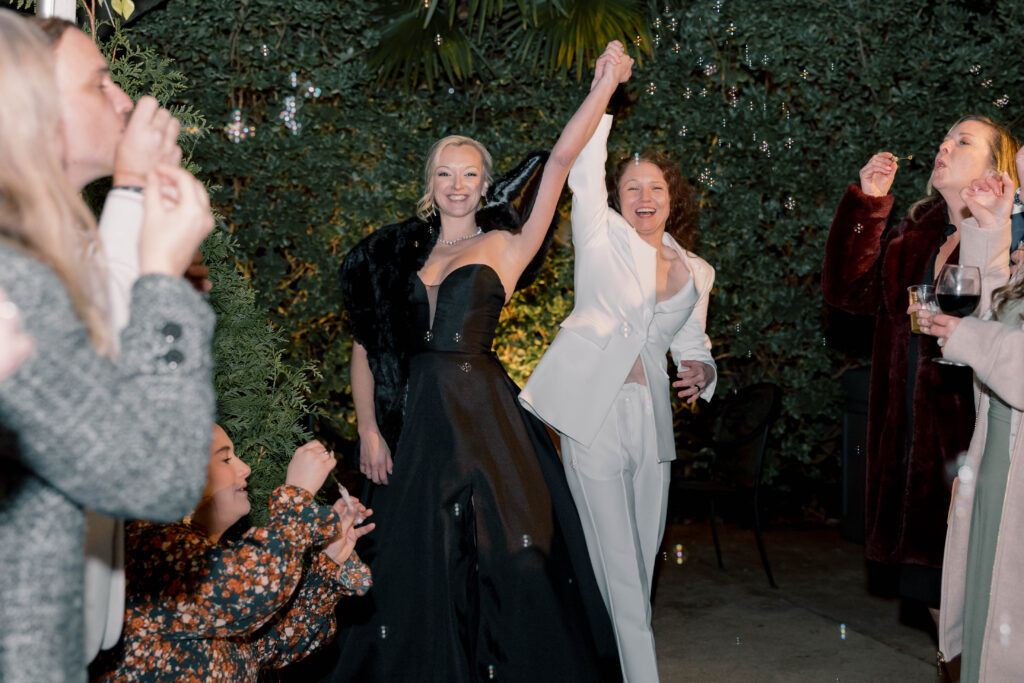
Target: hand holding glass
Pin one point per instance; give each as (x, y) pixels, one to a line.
(958, 291)
(924, 295)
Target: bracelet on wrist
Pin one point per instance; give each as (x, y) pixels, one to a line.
(128, 188)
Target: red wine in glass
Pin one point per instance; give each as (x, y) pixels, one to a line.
(958, 291)
(958, 304)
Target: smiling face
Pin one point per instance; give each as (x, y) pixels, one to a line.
(225, 492)
(964, 155)
(459, 180)
(644, 198)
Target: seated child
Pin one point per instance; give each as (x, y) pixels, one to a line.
(198, 609)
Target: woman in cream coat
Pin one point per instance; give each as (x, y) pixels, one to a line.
(982, 612)
(603, 383)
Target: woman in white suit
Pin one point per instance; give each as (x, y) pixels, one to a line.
(603, 383)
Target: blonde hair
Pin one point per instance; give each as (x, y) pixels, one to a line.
(1003, 146)
(41, 213)
(425, 206)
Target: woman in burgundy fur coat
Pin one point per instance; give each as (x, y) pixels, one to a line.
(920, 414)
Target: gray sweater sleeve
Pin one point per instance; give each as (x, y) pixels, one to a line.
(128, 438)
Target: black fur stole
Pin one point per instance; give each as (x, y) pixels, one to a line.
(376, 283)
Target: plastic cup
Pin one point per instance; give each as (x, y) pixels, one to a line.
(921, 294)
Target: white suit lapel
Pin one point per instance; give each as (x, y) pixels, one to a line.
(692, 264)
(639, 256)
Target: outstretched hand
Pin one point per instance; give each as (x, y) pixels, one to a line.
(990, 199)
(351, 513)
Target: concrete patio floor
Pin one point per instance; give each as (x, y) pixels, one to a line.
(822, 624)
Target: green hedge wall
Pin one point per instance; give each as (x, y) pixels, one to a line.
(770, 106)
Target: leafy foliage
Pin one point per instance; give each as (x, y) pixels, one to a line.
(261, 399)
(142, 71)
(574, 36)
(431, 37)
(771, 107)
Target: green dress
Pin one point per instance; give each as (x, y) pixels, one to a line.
(990, 489)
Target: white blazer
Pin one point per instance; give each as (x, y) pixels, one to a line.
(612, 323)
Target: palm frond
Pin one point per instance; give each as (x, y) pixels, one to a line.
(563, 36)
(427, 39)
(420, 41)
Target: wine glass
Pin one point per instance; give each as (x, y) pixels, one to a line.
(958, 291)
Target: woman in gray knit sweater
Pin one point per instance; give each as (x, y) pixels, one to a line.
(15, 345)
(129, 437)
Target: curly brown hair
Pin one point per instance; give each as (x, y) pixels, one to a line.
(682, 216)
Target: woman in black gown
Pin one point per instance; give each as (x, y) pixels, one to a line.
(480, 567)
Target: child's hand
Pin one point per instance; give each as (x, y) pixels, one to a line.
(310, 466)
(350, 512)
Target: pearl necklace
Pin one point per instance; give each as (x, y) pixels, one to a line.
(452, 243)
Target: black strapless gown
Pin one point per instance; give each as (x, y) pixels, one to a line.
(480, 570)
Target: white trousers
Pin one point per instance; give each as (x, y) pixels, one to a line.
(621, 492)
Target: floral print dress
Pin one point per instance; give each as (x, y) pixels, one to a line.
(203, 611)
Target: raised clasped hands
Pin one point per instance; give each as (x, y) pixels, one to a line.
(877, 175)
(613, 64)
(309, 466)
(990, 199)
(351, 513)
(694, 376)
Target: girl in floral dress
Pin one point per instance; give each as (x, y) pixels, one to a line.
(201, 610)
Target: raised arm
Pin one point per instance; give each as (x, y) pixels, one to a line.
(849, 276)
(183, 584)
(119, 228)
(308, 621)
(985, 236)
(589, 191)
(613, 67)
